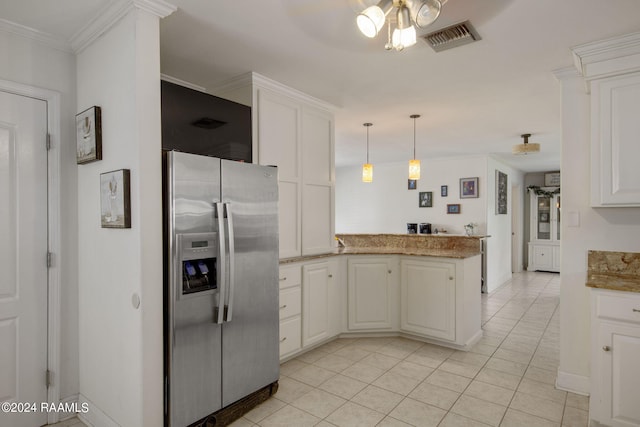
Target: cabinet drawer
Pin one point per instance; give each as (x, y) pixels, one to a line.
(290, 276)
(289, 335)
(625, 308)
(290, 302)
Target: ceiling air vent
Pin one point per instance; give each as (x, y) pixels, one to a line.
(453, 36)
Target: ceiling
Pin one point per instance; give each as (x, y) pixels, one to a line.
(474, 100)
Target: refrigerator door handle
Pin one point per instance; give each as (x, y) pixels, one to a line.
(218, 312)
(232, 262)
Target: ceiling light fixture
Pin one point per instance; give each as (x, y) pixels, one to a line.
(409, 15)
(367, 168)
(526, 147)
(414, 165)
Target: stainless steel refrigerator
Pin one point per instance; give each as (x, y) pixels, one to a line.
(221, 283)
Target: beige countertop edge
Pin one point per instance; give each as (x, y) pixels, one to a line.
(614, 282)
(384, 251)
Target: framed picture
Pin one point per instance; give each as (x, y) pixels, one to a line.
(115, 199)
(468, 188)
(453, 209)
(89, 136)
(412, 184)
(425, 199)
(501, 193)
(552, 179)
(544, 217)
(444, 191)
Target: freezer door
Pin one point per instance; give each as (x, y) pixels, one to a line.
(250, 358)
(193, 351)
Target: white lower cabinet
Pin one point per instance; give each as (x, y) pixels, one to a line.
(319, 305)
(371, 287)
(290, 310)
(544, 257)
(428, 298)
(615, 352)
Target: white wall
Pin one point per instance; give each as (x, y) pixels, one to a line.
(612, 229)
(31, 63)
(499, 226)
(121, 346)
(386, 205)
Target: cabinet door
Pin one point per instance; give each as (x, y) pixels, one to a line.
(315, 303)
(317, 146)
(369, 293)
(317, 214)
(620, 374)
(615, 108)
(543, 257)
(427, 292)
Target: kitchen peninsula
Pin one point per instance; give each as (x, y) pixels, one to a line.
(425, 287)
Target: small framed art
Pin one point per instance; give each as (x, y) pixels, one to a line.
(425, 199)
(501, 193)
(444, 191)
(468, 188)
(89, 135)
(453, 209)
(115, 199)
(412, 184)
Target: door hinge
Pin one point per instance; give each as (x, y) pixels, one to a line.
(47, 378)
(48, 143)
(49, 259)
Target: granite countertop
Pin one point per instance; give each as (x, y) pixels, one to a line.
(434, 245)
(617, 271)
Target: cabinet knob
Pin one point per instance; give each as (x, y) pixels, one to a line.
(330, 276)
(635, 310)
(282, 279)
(283, 339)
(389, 271)
(450, 277)
(283, 307)
(606, 348)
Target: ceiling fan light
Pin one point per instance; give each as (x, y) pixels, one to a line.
(367, 172)
(371, 21)
(403, 38)
(414, 169)
(426, 12)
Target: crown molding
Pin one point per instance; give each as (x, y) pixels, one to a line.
(111, 14)
(604, 58)
(39, 36)
(566, 73)
(180, 82)
(259, 81)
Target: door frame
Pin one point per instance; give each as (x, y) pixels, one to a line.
(516, 228)
(52, 99)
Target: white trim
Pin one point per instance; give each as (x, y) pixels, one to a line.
(94, 416)
(111, 14)
(71, 400)
(181, 82)
(255, 79)
(33, 34)
(574, 383)
(52, 99)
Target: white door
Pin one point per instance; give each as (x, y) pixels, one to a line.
(369, 293)
(315, 303)
(23, 248)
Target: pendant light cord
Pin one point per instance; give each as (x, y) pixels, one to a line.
(368, 144)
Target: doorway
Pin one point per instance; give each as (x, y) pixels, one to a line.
(29, 233)
(516, 213)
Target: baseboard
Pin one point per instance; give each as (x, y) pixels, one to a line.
(68, 402)
(94, 417)
(574, 383)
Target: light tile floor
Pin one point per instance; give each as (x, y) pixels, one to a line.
(507, 379)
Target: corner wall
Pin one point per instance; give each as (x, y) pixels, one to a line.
(121, 353)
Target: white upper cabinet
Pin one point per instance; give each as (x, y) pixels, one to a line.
(611, 69)
(615, 151)
(295, 132)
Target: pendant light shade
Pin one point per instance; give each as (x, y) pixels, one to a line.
(414, 165)
(526, 147)
(367, 168)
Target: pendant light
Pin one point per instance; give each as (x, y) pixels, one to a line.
(367, 168)
(526, 147)
(414, 165)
